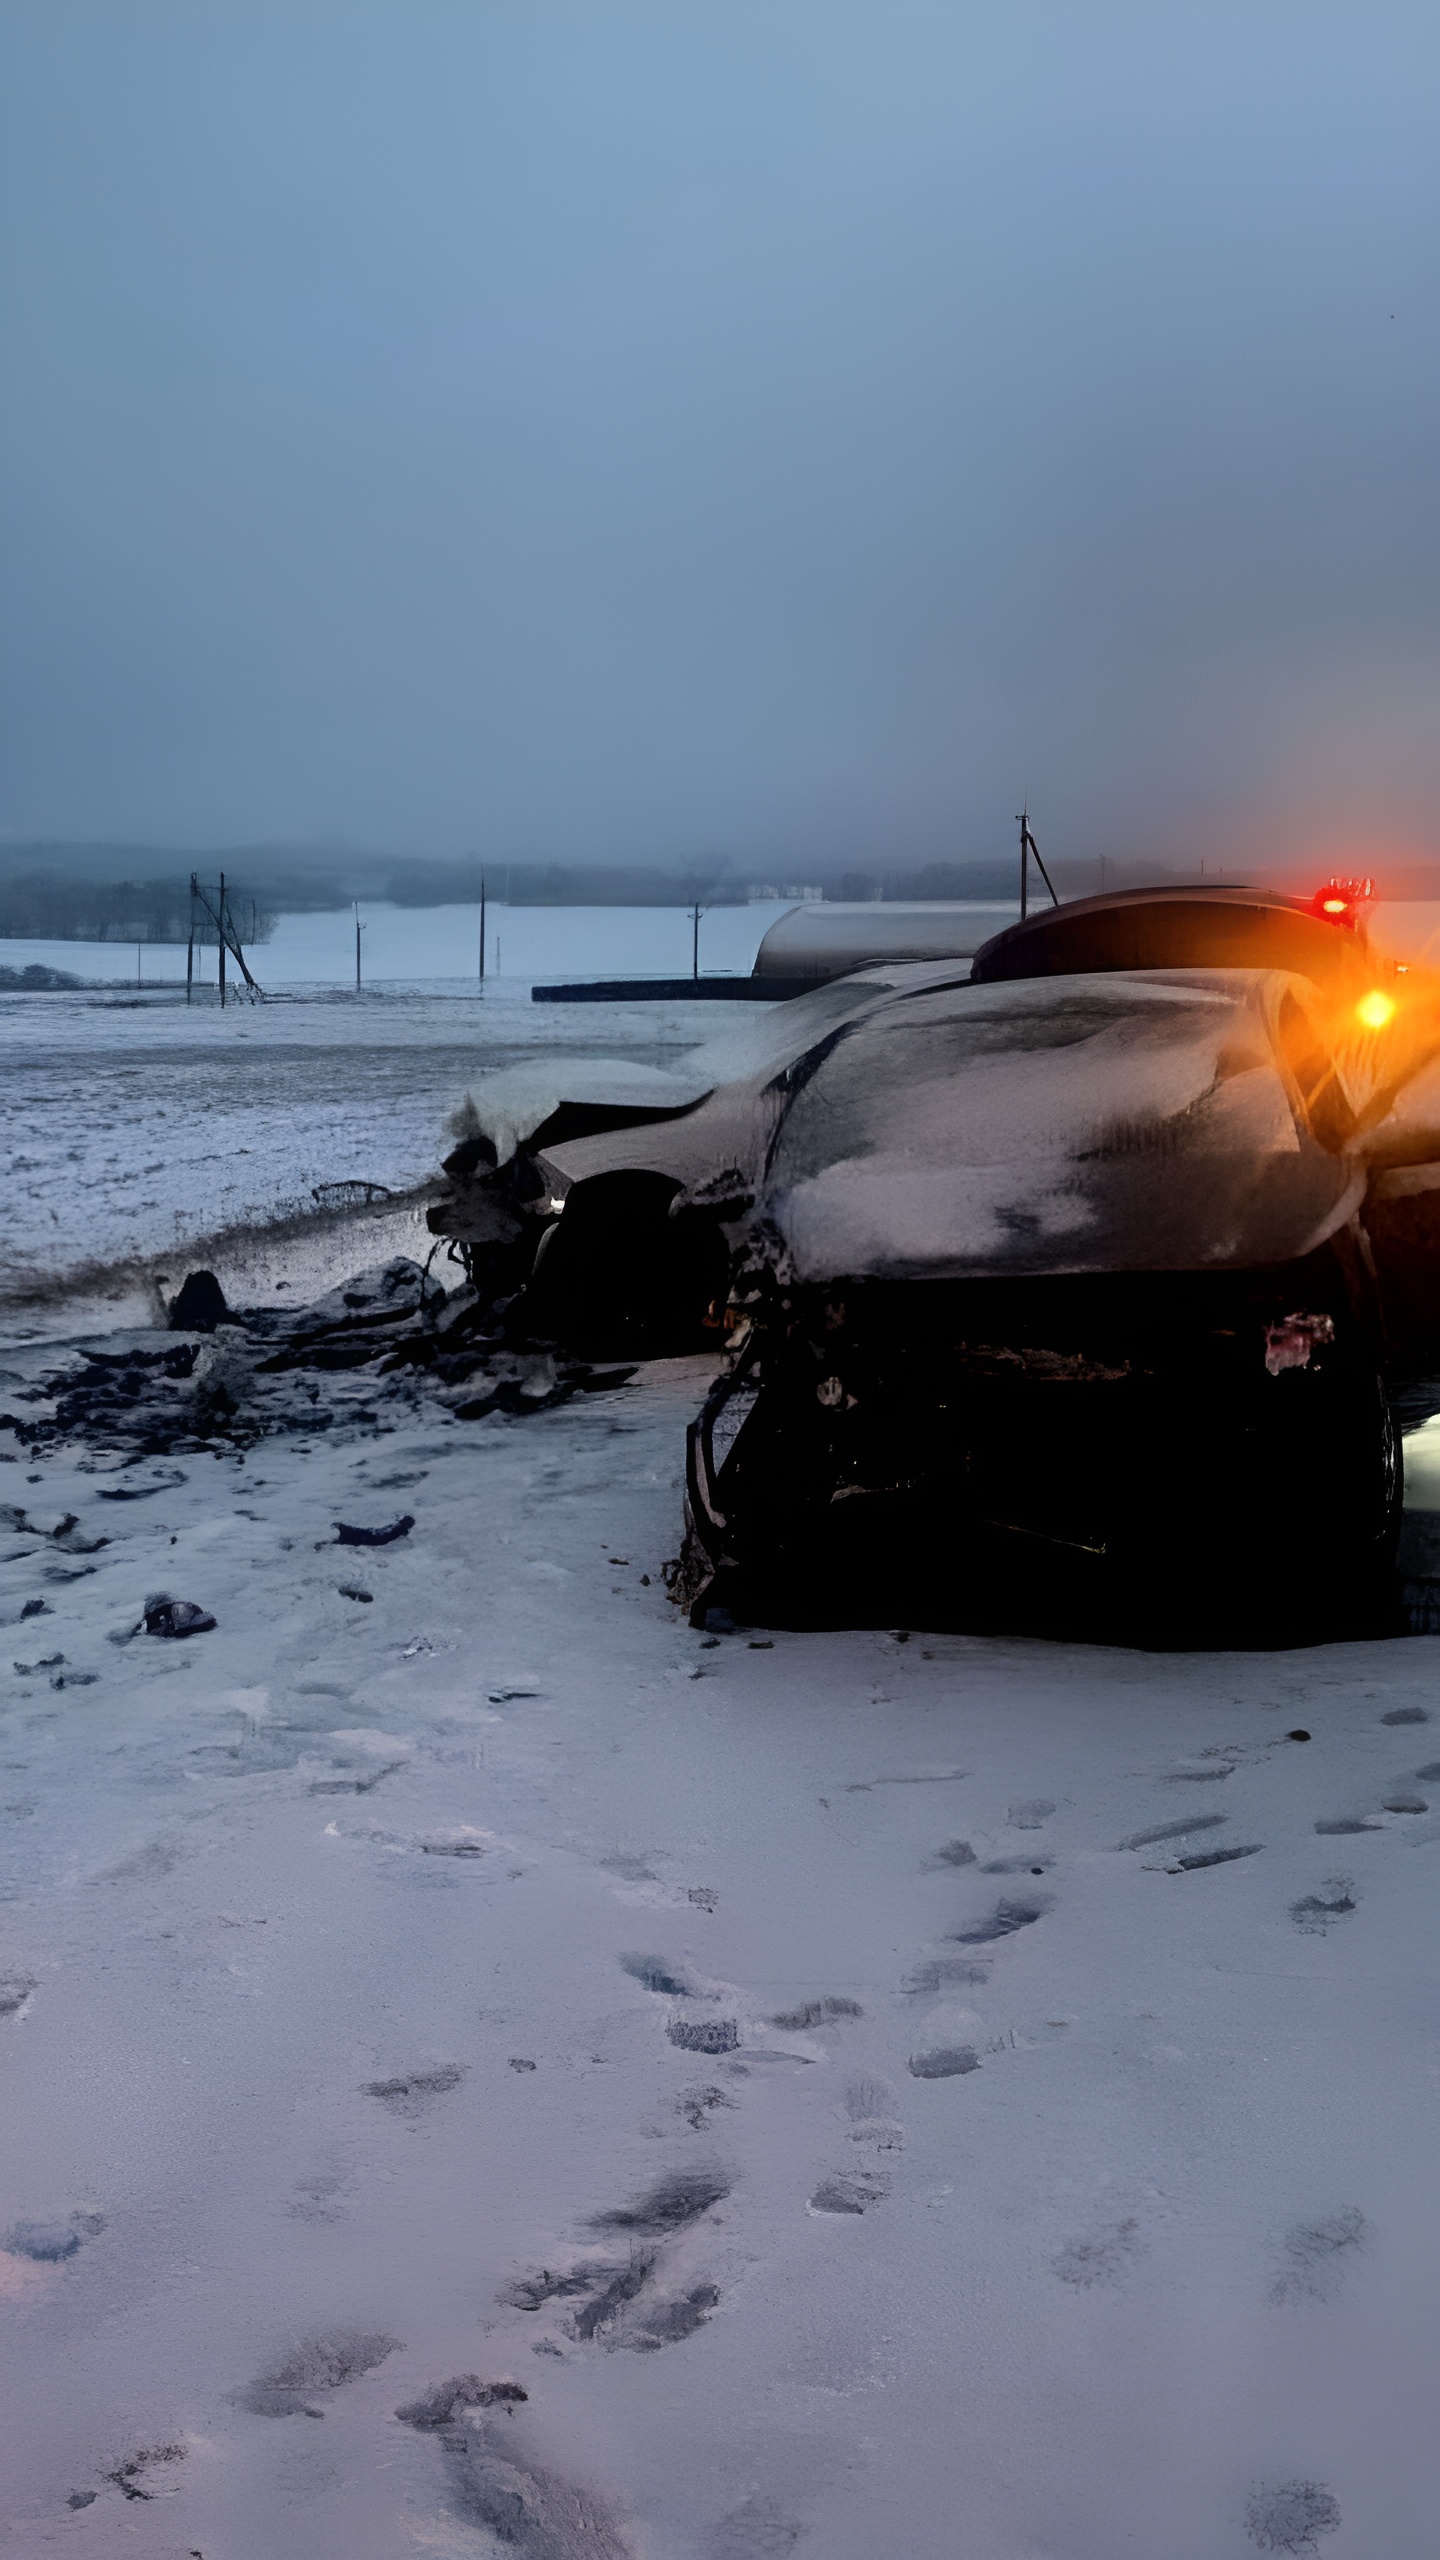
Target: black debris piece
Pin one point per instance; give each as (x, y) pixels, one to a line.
(349, 1591)
(198, 1305)
(167, 1617)
(348, 1535)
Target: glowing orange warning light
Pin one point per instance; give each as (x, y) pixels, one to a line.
(1375, 1010)
(1333, 906)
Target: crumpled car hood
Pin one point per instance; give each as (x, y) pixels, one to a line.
(1124, 1122)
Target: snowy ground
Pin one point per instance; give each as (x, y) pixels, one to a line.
(890, 2100)
(133, 1131)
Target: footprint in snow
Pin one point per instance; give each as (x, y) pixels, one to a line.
(50, 2244)
(534, 2512)
(1314, 1912)
(850, 2191)
(1406, 1715)
(530, 2510)
(447, 2402)
(658, 1974)
(287, 2388)
(1291, 2515)
(943, 1973)
(314, 2196)
(704, 2035)
(604, 2289)
(761, 2529)
(1173, 1830)
(698, 2105)
(132, 2476)
(872, 2117)
(1102, 2257)
(816, 2013)
(954, 1853)
(1313, 2256)
(411, 2088)
(671, 2205)
(1005, 1921)
(873, 2112)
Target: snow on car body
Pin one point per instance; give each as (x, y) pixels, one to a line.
(990, 1247)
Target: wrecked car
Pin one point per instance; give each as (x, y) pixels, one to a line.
(1082, 1267)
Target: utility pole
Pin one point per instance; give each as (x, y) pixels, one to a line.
(482, 928)
(359, 928)
(1028, 846)
(220, 938)
(696, 912)
(190, 946)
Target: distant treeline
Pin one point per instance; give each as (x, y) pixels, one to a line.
(120, 893)
(555, 884)
(48, 906)
(74, 893)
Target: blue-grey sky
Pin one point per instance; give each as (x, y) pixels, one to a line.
(784, 428)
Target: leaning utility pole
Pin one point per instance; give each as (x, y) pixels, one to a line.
(1028, 846)
(226, 936)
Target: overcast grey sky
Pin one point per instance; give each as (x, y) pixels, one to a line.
(782, 428)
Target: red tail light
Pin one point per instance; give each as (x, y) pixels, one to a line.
(1340, 902)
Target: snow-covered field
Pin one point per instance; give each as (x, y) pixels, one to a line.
(133, 1128)
(890, 2099)
(131, 1132)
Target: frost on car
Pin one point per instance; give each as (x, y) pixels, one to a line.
(1082, 1273)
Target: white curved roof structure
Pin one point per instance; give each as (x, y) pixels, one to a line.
(827, 940)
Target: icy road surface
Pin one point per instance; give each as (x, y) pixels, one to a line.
(941, 2100)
